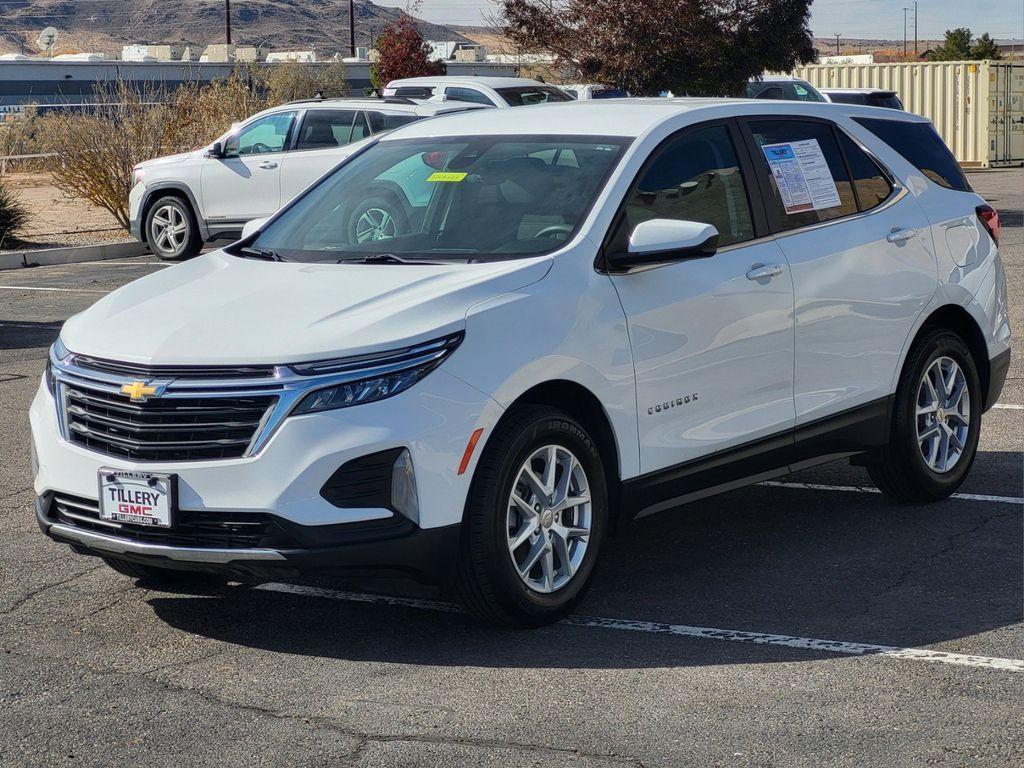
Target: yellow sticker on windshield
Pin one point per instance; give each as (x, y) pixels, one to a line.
(440, 176)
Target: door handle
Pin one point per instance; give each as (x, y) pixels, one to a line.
(897, 235)
(268, 164)
(764, 271)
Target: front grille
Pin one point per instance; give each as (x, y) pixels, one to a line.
(218, 530)
(163, 429)
(174, 371)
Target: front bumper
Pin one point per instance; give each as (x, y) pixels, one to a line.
(404, 549)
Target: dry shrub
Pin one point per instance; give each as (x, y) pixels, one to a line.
(99, 150)
(13, 216)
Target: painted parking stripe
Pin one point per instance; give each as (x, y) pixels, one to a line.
(1009, 406)
(683, 630)
(869, 489)
(37, 288)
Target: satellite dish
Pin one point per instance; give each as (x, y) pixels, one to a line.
(46, 40)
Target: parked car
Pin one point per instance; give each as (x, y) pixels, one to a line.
(177, 203)
(783, 88)
(584, 91)
(599, 313)
(869, 97)
(499, 92)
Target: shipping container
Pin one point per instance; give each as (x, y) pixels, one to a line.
(977, 106)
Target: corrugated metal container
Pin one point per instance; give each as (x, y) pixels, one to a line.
(977, 106)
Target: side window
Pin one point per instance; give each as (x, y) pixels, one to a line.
(869, 182)
(360, 130)
(694, 178)
(387, 121)
(922, 146)
(467, 94)
(806, 171)
(322, 129)
(260, 137)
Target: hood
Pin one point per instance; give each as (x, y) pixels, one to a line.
(219, 309)
(172, 159)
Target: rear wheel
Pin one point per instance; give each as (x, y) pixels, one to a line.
(171, 229)
(377, 218)
(936, 422)
(535, 520)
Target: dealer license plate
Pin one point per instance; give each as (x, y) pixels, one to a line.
(138, 498)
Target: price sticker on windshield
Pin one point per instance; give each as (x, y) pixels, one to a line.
(446, 176)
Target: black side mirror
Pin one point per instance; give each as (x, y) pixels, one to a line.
(216, 150)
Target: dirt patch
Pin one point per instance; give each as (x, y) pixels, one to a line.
(56, 219)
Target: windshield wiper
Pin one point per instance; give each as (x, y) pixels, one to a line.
(262, 253)
(385, 258)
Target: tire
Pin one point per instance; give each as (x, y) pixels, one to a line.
(902, 470)
(490, 577)
(380, 217)
(171, 229)
(150, 574)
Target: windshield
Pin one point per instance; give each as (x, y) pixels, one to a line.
(786, 90)
(436, 199)
(532, 94)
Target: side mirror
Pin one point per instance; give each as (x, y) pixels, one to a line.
(216, 150)
(252, 226)
(659, 241)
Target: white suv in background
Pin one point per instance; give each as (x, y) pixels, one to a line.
(179, 202)
(594, 312)
(501, 92)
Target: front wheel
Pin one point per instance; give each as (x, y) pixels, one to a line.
(534, 522)
(171, 229)
(936, 422)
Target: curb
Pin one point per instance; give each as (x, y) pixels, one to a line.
(51, 256)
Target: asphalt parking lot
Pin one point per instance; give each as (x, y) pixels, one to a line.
(807, 623)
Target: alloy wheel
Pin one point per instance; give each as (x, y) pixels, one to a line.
(943, 414)
(548, 519)
(375, 224)
(169, 229)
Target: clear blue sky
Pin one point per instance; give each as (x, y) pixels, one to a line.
(850, 18)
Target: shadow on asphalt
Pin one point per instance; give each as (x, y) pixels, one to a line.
(27, 335)
(841, 566)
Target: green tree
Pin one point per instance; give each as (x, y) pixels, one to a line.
(693, 47)
(960, 46)
(985, 48)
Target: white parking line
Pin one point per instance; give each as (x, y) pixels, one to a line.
(869, 489)
(61, 290)
(1009, 406)
(683, 630)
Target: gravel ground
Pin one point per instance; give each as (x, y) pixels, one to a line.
(57, 220)
(98, 671)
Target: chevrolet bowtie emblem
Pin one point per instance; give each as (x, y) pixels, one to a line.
(138, 391)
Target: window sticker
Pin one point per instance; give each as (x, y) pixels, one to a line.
(802, 175)
(449, 177)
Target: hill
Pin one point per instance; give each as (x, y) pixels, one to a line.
(106, 25)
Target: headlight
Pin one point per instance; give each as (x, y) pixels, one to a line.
(57, 352)
(369, 378)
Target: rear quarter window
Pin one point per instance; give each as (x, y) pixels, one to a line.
(922, 147)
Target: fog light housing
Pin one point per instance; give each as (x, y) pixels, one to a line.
(404, 498)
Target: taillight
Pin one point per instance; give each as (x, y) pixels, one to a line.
(989, 218)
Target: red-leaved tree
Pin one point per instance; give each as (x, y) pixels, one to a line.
(690, 47)
(402, 53)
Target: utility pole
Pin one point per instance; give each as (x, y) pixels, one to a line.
(352, 28)
(915, 29)
(837, 43)
(227, 21)
(905, 33)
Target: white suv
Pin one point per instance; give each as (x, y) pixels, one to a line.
(501, 92)
(179, 202)
(595, 312)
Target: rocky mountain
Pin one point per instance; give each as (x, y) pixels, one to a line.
(106, 25)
